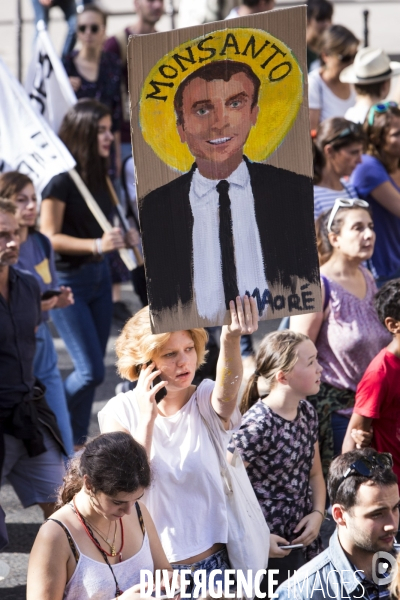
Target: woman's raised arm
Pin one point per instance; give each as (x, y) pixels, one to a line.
(244, 320)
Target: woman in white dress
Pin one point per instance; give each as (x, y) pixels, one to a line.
(186, 500)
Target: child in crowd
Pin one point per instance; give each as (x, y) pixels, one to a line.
(278, 441)
(377, 404)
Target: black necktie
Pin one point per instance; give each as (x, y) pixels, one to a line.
(226, 243)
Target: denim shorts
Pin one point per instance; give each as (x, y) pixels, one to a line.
(219, 560)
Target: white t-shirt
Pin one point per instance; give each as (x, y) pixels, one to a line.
(186, 499)
(320, 97)
(357, 113)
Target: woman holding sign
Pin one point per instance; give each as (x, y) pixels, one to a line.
(172, 419)
(80, 245)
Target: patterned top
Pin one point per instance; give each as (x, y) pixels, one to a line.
(324, 198)
(107, 88)
(351, 336)
(280, 454)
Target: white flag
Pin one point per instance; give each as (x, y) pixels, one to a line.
(47, 83)
(27, 143)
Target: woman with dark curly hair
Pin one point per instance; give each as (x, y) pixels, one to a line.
(101, 537)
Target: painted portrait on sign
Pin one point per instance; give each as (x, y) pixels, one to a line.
(214, 109)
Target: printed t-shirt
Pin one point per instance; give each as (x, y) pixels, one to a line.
(78, 220)
(378, 398)
(36, 256)
(386, 257)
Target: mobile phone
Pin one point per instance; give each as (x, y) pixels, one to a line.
(50, 294)
(161, 393)
(291, 546)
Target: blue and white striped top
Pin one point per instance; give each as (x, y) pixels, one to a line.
(324, 198)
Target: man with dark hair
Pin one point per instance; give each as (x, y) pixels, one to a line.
(377, 405)
(251, 7)
(225, 218)
(365, 506)
(319, 18)
(30, 442)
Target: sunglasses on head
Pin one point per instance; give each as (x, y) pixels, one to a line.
(352, 128)
(379, 109)
(345, 203)
(367, 465)
(94, 28)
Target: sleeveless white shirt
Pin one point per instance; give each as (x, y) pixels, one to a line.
(93, 580)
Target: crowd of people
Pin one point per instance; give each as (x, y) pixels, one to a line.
(317, 426)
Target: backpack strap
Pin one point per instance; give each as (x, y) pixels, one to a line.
(71, 542)
(327, 292)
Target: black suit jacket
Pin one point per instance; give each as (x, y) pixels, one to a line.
(284, 212)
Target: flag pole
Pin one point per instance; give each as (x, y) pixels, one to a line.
(99, 215)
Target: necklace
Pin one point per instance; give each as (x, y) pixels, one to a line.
(95, 542)
(111, 546)
(105, 554)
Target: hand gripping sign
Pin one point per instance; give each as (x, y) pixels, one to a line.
(224, 169)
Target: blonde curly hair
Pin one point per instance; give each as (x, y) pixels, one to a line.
(137, 345)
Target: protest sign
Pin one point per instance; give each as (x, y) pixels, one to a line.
(27, 143)
(47, 83)
(222, 149)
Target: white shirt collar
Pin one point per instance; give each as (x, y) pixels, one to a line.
(202, 186)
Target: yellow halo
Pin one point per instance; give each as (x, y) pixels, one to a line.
(280, 97)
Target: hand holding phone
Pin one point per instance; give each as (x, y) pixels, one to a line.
(50, 294)
(161, 392)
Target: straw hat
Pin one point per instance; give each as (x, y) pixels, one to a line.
(371, 65)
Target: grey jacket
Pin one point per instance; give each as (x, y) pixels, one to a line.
(328, 575)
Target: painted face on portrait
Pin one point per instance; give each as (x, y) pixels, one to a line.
(217, 116)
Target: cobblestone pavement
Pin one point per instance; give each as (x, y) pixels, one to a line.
(23, 524)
